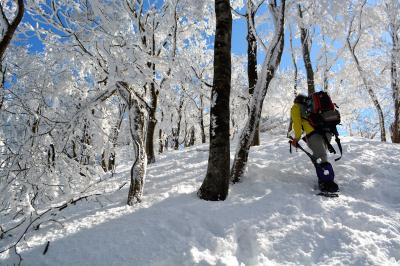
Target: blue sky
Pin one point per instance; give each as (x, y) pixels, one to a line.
(239, 43)
(239, 46)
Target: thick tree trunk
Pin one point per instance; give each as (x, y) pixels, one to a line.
(252, 60)
(305, 40)
(136, 114)
(138, 169)
(151, 126)
(216, 183)
(271, 63)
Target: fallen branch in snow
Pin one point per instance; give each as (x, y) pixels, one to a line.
(201, 150)
(3, 232)
(74, 201)
(121, 186)
(46, 248)
(38, 217)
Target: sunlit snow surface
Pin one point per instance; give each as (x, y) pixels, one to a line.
(272, 217)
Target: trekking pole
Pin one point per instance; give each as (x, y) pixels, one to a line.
(312, 157)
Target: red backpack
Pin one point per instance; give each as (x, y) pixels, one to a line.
(321, 112)
(323, 115)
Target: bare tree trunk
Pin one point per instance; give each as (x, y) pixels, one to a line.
(202, 129)
(395, 91)
(85, 142)
(305, 42)
(271, 63)
(160, 136)
(173, 55)
(108, 156)
(176, 132)
(192, 137)
(295, 78)
(136, 113)
(6, 37)
(326, 67)
(394, 27)
(11, 27)
(362, 73)
(216, 183)
(51, 156)
(252, 60)
(151, 126)
(373, 97)
(138, 169)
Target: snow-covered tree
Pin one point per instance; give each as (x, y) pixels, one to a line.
(270, 65)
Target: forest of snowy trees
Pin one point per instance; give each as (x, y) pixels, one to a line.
(83, 78)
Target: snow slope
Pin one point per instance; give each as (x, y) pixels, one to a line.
(272, 217)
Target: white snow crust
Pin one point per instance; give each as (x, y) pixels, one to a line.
(272, 217)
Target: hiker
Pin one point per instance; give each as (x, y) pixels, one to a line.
(318, 141)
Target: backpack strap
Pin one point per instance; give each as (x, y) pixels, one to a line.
(337, 140)
(329, 145)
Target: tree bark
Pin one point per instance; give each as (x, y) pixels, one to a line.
(176, 132)
(305, 40)
(138, 169)
(192, 137)
(202, 129)
(11, 28)
(271, 63)
(136, 114)
(395, 92)
(216, 183)
(252, 60)
(160, 136)
(151, 126)
(394, 28)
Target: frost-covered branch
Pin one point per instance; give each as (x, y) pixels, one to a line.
(352, 40)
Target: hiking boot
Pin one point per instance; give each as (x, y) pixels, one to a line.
(328, 186)
(332, 187)
(323, 186)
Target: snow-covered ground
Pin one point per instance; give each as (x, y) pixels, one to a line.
(272, 217)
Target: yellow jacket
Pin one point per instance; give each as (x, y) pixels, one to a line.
(299, 124)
